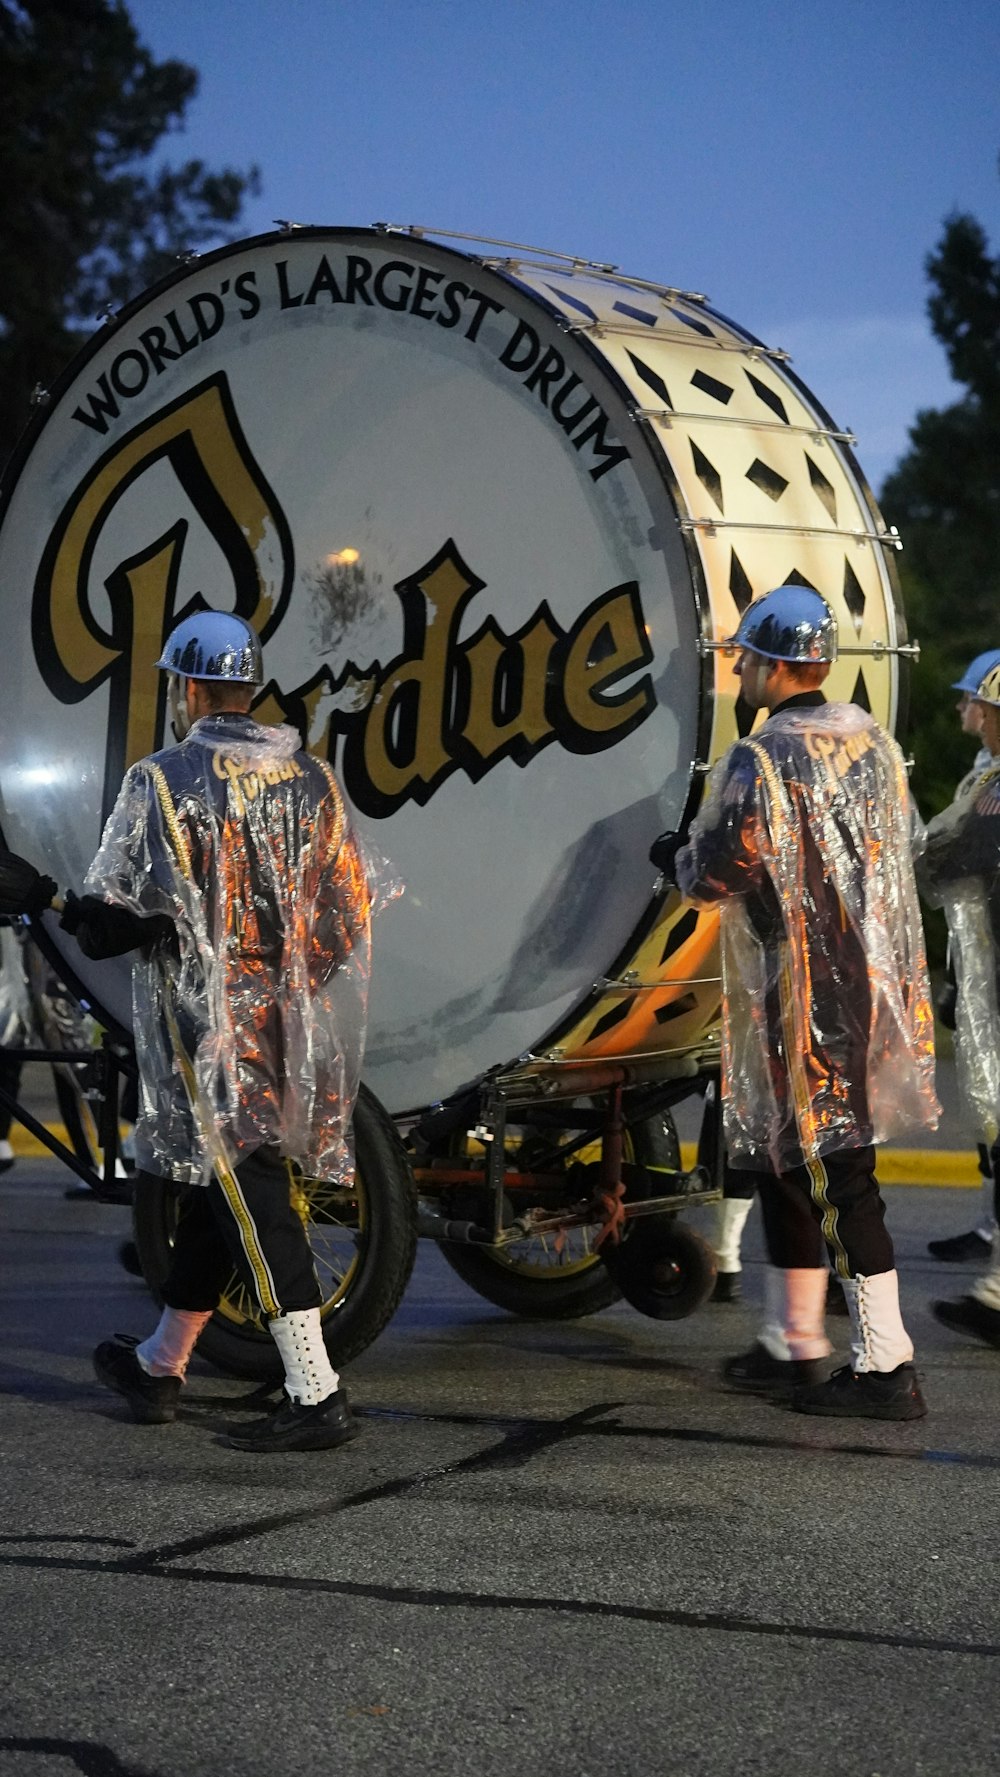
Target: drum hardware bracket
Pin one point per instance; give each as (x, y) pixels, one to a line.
(630, 331)
(287, 227)
(874, 650)
(541, 1221)
(40, 396)
(890, 539)
(630, 982)
(107, 317)
(818, 434)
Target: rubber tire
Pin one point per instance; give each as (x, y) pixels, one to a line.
(654, 1143)
(681, 1247)
(377, 1288)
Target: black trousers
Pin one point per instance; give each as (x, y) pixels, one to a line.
(10, 1080)
(832, 1204)
(252, 1229)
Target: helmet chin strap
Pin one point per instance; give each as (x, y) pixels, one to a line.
(180, 721)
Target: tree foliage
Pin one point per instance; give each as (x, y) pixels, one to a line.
(944, 495)
(85, 222)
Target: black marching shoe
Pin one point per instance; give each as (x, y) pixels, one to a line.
(968, 1315)
(757, 1372)
(961, 1248)
(294, 1427)
(152, 1400)
(865, 1394)
(728, 1287)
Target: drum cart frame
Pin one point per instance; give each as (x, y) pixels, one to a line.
(101, 1074)
(627, 1222)
(617, 1203)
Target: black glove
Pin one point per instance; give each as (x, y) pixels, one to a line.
(23, 889)
(663, 852)
(102, 930)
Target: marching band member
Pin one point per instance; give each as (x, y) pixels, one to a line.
(229, 863)
(804, 841)
(960, 870)
(977, 1243)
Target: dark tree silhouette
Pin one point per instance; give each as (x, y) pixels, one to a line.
(85, 222)
(945, 497)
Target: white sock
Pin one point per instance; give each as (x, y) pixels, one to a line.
(730, 1219)
(986, 1226)
(795, 1313)
(986, 1289)
(167, 1351)
(309, 1375)
(880, 1342)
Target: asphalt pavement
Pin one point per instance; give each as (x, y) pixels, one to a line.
(558, 1548)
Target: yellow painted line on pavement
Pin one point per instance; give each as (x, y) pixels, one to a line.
(28, 1146)
(907, 1166)
(896, 1166)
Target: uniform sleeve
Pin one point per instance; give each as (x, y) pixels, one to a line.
(722, 856)
(964, 840)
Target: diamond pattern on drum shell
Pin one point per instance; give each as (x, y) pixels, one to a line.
(696, 326)
(854, 595)
(797, 579)
(770, 397)
(679, 933)
(676, 1008)
(634, 314)
(610, 1019)
(860, 693)
(767, 479)
(652, 380)
(574, 302)
(710, 385)
(708, 475)
(739, 584)
(823, 488)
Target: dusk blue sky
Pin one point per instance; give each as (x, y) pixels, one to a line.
(793, 161)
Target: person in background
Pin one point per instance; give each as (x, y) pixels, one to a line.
(977, 1243)
(804, 841)
(960, 871)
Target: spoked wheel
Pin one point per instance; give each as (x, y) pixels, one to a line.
(542, 1278)
(363, 1240)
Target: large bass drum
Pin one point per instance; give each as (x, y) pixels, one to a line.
(486, 509)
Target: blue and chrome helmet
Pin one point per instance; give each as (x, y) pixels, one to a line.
(976, 672)
(792, 623)
(214, 645)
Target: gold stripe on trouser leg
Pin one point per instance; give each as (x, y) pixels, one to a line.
(225, 1174)
(819, 1178)
(249, 1239)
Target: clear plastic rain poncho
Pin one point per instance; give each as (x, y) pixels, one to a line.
(256, 1034)
(805, 839)
(17, 1019)
(959, 870)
